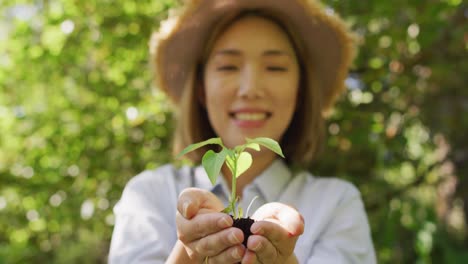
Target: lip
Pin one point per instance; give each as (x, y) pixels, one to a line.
(249, 124)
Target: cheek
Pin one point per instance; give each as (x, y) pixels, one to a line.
(214, 98)
(213, 87)
(215, 107)
(287, 95)
(219, 91)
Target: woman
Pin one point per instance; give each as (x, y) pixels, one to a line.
(239, 69)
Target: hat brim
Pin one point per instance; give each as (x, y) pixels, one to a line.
(328, 45)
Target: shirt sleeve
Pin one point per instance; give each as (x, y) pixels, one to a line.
(346, 238)
(144, 230)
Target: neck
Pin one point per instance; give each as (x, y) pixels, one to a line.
(261, 161)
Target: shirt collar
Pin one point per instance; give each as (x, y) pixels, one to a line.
(272, 181)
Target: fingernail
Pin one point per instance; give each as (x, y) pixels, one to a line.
(255, 229)
(257, 247)
(233, 238)
(235, 254)
(224, 222)
(185, 208)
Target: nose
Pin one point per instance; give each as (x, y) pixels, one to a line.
(250, 83)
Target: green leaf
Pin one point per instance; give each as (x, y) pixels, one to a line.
(253, 146)
(198, 145)
(243, 163)
(268, 143)
(212, 162)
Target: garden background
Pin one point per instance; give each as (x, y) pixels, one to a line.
(79, 118)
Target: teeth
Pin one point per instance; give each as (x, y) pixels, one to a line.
(250, 116)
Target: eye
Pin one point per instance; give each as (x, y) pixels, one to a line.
(227, 68)
(277, 68)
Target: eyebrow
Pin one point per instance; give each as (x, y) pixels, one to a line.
(276, 53)
(232, 52)
(235, 52)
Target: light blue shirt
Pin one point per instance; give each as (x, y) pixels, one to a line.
(336, 225)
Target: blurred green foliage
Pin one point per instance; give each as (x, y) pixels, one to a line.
(78, 119)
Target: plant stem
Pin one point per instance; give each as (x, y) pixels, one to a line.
(233, 187)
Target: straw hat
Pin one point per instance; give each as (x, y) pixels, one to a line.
(178, 45)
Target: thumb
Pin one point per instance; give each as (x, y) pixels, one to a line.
(194, 200)
(284, 215)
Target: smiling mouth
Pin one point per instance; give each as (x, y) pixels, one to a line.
(243, 116)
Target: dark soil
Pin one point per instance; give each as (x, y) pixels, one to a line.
(244, 224)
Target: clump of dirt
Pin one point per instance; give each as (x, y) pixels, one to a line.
(244, 224)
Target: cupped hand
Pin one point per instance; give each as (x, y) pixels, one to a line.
(204, 231)
(274, 235)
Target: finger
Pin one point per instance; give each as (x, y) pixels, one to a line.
(189, 230)
(284, 215)
(271, 229)
(230, 255)
(278, 236)
(249, 257)
(216, 243)
(264, 250)
(191, 200)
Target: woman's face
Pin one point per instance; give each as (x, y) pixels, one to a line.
(251, 81)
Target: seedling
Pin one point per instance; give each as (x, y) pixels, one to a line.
(238, 160)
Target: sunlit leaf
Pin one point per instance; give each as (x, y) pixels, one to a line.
(254, 146)
(244, 161)
(268, 143)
